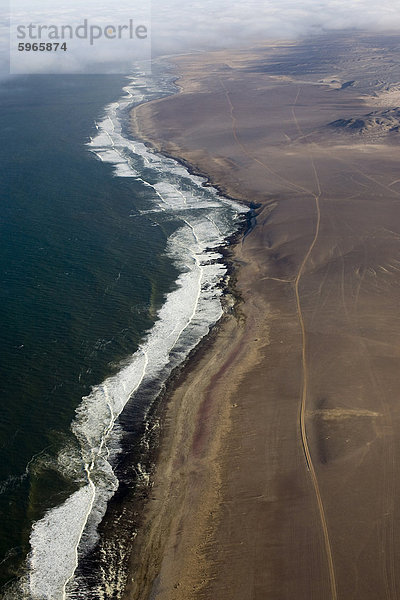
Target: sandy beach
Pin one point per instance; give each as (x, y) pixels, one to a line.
(278, 469)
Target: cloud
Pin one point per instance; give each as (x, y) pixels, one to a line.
(185, 25)
(222, 23)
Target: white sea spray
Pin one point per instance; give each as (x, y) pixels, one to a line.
(67, 531)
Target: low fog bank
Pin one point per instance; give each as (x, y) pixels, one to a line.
(183, 26)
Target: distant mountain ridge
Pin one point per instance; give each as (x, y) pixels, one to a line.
(378, 122)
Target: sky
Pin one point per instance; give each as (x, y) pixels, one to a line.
(178, 26)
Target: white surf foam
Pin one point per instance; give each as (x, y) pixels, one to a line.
(66, 531)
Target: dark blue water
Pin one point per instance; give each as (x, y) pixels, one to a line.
(82, 275)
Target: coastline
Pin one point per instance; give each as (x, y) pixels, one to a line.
(140, 129)
(159, 516)
(196, 421)
(189, 421)
(175, 412)
(197, 246)
(193, 428)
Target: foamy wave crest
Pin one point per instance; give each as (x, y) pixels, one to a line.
(68, 531)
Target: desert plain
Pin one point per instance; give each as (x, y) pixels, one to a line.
(278, 475)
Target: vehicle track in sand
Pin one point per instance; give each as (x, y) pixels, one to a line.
(304, 391)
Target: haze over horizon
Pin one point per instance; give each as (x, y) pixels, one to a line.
(201, 24)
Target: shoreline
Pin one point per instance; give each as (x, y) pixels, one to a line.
(167, 411)
(208, 424)
(105, 565)
(146, 570)
(151, 537)
(229, 327)
(179, 157)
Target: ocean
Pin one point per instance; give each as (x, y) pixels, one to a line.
(112, 272)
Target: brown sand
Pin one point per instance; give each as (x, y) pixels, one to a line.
(278, 474)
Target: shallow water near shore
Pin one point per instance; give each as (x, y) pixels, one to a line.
(111, 275)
